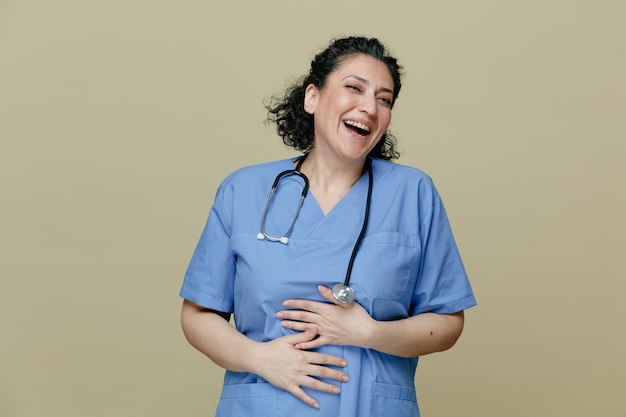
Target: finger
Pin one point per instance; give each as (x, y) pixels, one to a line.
(319, 385)
(326, 359)
(327, 293)
(327, 373)
(298, 315)
(305, 336)
(303, 396)
(299, 326)
(320, 341)
(307, 305)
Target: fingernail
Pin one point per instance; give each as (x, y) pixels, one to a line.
(343, 363)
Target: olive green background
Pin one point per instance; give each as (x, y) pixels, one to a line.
(119, 118)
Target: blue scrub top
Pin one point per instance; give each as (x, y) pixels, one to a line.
(407, 264)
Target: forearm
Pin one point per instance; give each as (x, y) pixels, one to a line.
(351, 324)
(214, 336)
(415, 336)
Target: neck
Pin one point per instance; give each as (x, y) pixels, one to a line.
(329, 181)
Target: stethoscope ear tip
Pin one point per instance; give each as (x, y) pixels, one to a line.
(284, 240)
(260, 236)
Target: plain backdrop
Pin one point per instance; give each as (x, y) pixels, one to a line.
(119, 118)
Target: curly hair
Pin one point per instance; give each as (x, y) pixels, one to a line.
(295, 125)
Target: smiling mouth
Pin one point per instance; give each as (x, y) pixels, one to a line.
(359, 128)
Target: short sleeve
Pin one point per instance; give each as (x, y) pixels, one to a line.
(209, 279)
(442, 284)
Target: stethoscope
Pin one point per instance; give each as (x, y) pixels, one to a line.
(341, 291)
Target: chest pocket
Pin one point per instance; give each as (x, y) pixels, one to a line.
(386, 266)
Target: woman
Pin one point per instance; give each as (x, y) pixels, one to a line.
(300, 348)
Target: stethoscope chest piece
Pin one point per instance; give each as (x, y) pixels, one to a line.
(343, 293)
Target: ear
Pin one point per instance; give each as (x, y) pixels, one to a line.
(311, 95)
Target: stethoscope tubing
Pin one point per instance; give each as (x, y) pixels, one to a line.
(342, 292)
(366, 216)
(285, 237)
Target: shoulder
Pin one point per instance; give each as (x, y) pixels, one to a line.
(392, 174)
(248, 185)
(412, 188)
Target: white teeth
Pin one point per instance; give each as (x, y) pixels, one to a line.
(357, 125)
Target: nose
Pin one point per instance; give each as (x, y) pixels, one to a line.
(368, 104)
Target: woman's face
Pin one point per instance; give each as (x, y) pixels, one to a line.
(352, 111)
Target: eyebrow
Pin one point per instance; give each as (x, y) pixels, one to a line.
(366, 82)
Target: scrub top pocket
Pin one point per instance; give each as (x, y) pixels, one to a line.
(247, 399)
(393, 400)
(384, 264)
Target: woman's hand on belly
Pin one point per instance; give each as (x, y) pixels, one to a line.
(279, 362)
(283, 365)
(336, 323)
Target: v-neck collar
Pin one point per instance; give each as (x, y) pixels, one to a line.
(300, 160)
(346, 215)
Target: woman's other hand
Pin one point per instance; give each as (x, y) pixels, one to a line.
(278, 361)
(350, 324)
